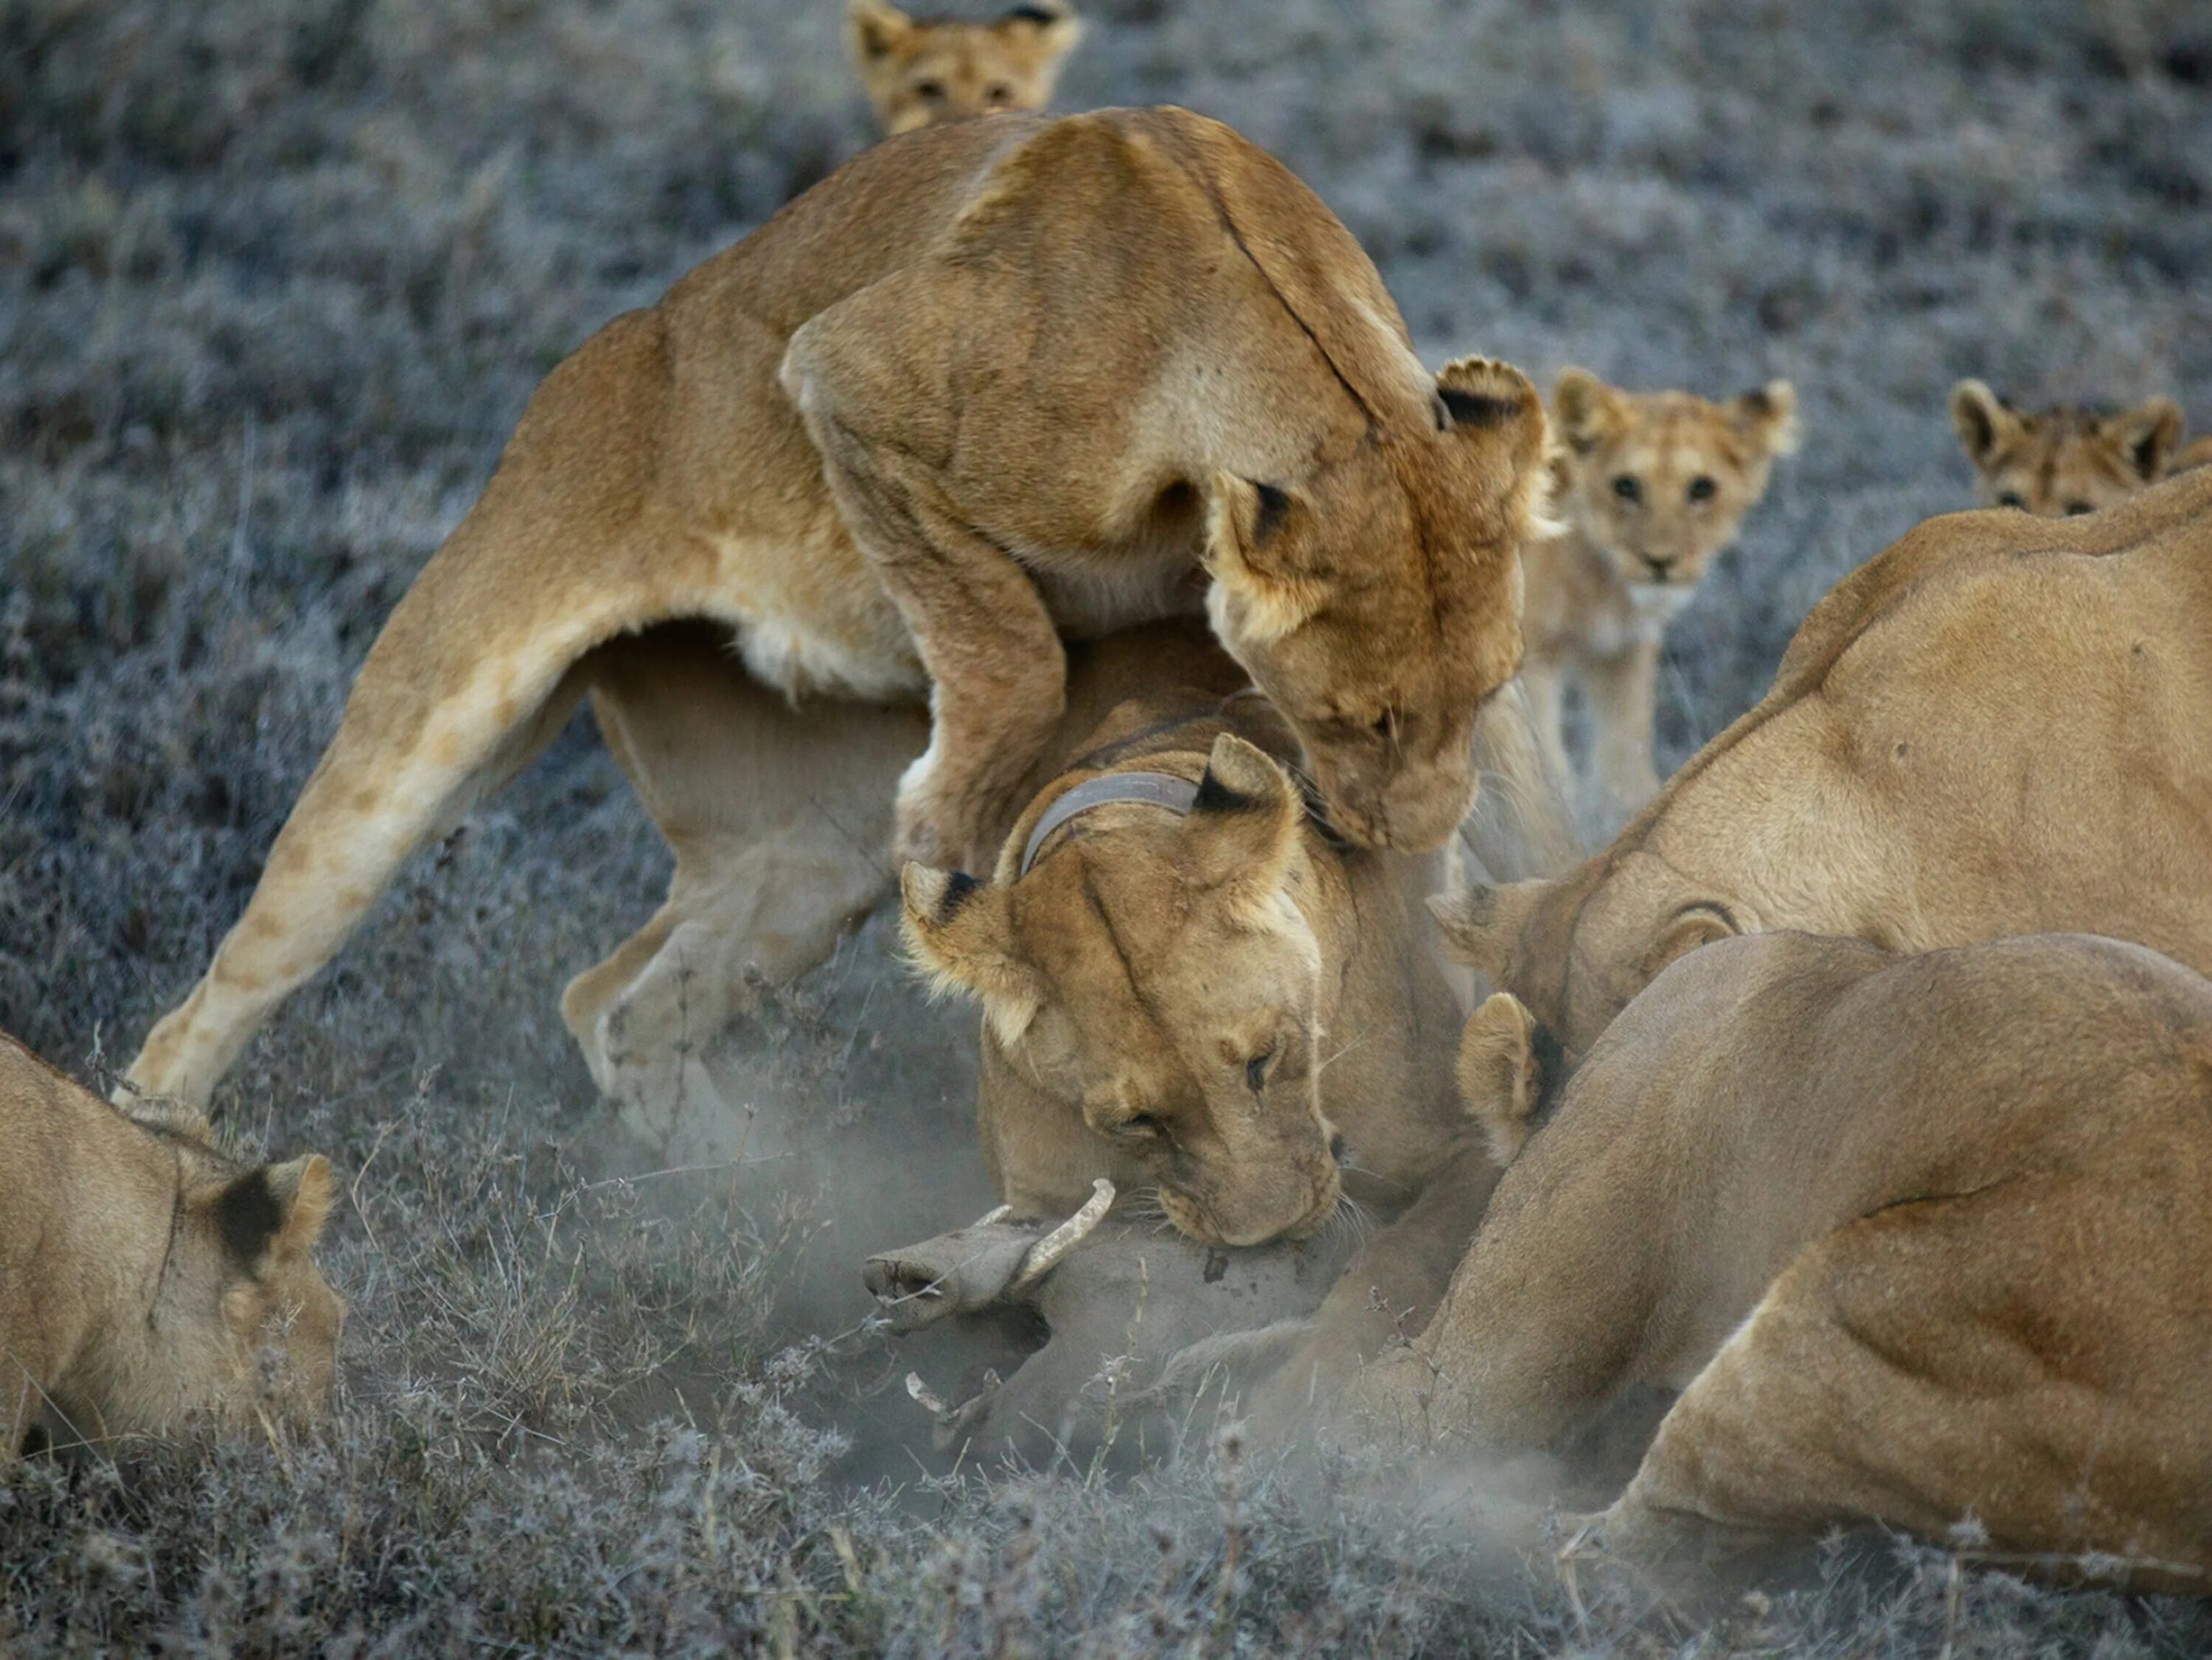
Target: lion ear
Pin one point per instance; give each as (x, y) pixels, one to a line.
(1051, 25)
(875, 28)
(1589, 411)
(1249, 528)
(1700, 925)
(1984, 421)
(1767, 415)
(2146, 435)
(1483, 924)
(1244, 825)
(1500, 1076)
(959, 932)
(275, 1212)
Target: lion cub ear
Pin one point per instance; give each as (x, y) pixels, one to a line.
(1767, 415)
(276, 1213)
(1050, 27)
(1244, 827)
(1701, 924)
(1984, 421)
(1500, 1076)
(1589, 411)
(1483, 924)
(960, 933)
(1250, 529)
(875, 29)
(2146, 435)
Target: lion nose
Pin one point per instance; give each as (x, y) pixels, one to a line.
(1660, 568)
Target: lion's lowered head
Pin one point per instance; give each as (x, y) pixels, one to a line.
(921, 71)
(1153, 993)
(242, 1324)
(1376, 600)
(2062, 461)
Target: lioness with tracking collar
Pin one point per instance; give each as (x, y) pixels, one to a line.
(990, 386)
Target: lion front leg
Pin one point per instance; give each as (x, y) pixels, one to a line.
(998, 671)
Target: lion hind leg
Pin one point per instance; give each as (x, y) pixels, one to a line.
(428, 731)
(1967, 1369)
(779, 818)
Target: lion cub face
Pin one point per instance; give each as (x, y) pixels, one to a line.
(1659, 481)
(1152, 988)
(921, 71)
(2062, 461)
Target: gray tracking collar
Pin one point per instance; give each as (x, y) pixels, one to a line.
(1155, 789)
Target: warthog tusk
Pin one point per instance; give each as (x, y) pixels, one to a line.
(998, 1215)
(1047, 1252)
(930, 1401)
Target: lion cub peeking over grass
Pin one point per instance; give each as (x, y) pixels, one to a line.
(1650, 487)
(2067, 460)
(919, 71)
(143, 1275)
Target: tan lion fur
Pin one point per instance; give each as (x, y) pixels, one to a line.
(991, 384)
(919, 71)
(143, 1272)
(2066, 460)
(1925, 1241)
(1995, 727)
(1198, 1004)
(1649, 487)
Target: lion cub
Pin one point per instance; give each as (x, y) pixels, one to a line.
(2067, 460)
(919, 71)
(1650, 487)
(143, 1272)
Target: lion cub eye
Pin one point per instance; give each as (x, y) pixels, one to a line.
(2011, 499)
(1142, 1127)
(2076, 509)
(1255, 1069)
(930, 92)
(1703, 488)
(999, 94)
(1627, 489)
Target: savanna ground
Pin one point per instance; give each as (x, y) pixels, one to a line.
(276, 277)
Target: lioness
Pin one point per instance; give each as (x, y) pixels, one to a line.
(2066, 460)
(921, 70)
(142, 1271)
(1650, 485)
(1995, 727)
(990, 384)
(1925, 1241)
(1190, 984)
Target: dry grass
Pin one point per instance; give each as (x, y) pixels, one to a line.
(275, 276)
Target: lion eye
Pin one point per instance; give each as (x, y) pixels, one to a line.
(2011, 499)
(1627, 489)
(1255, 1069)
(1383, 724)
(930, 92)
(2076, 509)
(1142, 1126)
(1001, 93)
(1703, 488)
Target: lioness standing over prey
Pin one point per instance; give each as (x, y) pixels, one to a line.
(1925, 1241)
(2067, 460)
(919, 71)
(1999, 726)
(990, 384)
(1650, 487)
(142, 1272)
